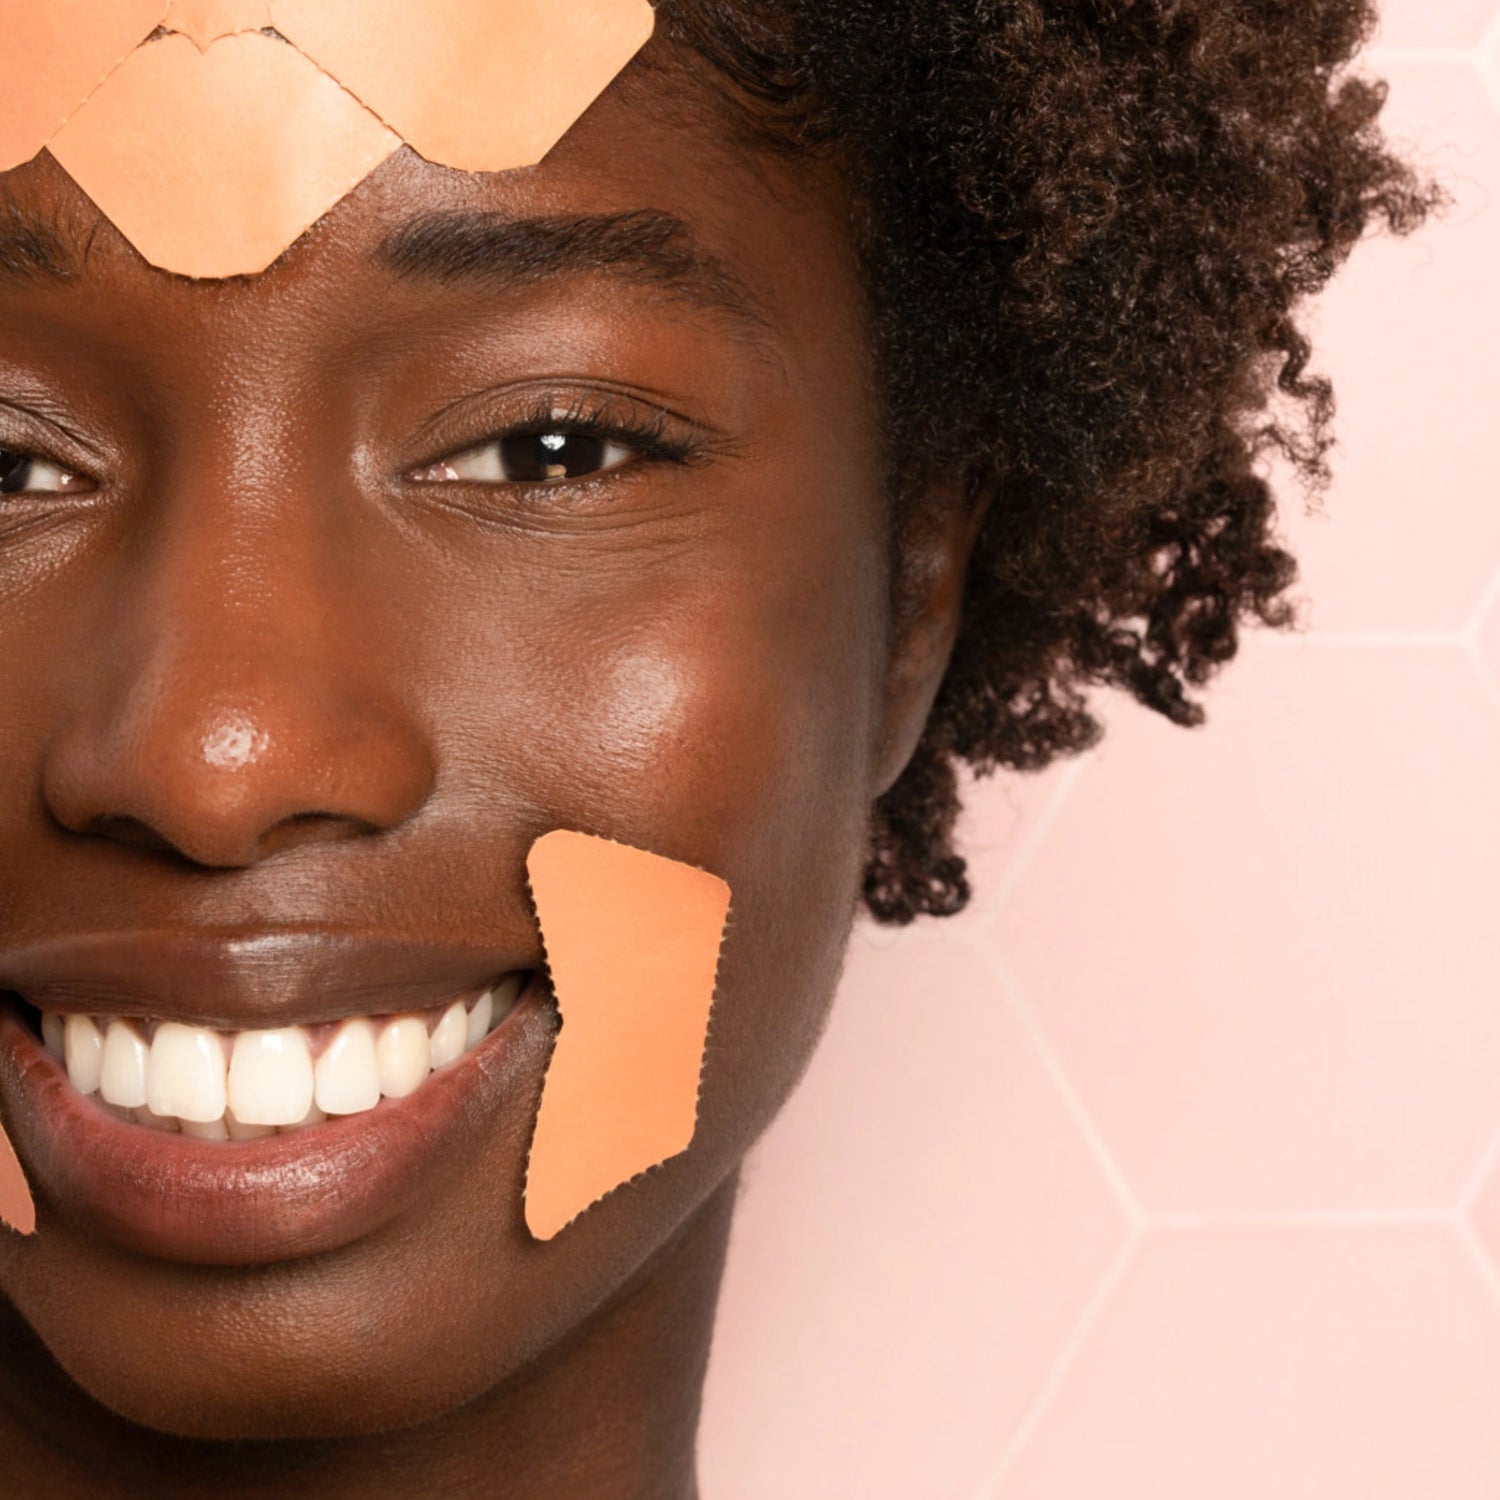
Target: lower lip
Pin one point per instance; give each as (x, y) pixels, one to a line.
(252, 1202)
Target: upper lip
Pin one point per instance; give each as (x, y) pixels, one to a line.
(248, 979)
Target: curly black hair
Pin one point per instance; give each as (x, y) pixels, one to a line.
(1089, 227)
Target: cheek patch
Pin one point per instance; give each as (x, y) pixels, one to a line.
(16, 1207)
(632, 941)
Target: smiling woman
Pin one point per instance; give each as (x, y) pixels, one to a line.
(847, 385)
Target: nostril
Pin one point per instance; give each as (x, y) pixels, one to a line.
(126, 830)
(313, 828)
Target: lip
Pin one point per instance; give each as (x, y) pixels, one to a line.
(236, 979)
(276, 1198)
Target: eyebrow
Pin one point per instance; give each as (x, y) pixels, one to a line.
(646, 247)
(34, 249)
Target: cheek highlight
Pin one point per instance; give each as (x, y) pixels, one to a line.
(633, 942)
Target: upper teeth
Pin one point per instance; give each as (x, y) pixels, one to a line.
(234, 1085)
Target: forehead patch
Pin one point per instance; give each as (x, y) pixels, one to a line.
(57, 54)
(254, 144)
(212, 142)
(206, 21)
(476, 84)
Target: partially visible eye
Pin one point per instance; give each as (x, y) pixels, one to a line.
(531, 458)
(26, 474)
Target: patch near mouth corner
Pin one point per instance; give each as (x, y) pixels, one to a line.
(16, 1206)
(633, 943)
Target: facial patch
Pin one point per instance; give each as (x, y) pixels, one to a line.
(632, 941)
(212, 142)
(16, 1206)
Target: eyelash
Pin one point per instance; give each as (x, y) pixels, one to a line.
(650, 438)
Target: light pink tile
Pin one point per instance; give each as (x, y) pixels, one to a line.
(1433, 23)
(1335, 1364)
(1410, 332)
(1002, 816)
(1487, 1214)
(1489, 641)
(920, 1232)
(1266, 952)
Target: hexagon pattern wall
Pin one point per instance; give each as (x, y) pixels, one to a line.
(1172, 1169)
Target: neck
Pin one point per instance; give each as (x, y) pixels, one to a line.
(613, 1416)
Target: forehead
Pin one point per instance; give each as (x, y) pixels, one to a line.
(650, 187)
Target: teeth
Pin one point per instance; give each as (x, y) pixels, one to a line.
(347, 1077)
(481, 1014)
(403, 1055)
(314, 1116)
(83, 1046)
(185, 1073)
(213, 1086)
(154, 1121)
(271, 1076)
(448, 1036)
(237, 1130)
(122, 1075)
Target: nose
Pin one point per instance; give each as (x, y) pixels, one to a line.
(249, 702)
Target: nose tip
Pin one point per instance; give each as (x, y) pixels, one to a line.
(230, 784)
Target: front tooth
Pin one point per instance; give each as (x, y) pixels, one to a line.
(149, 1117)
(83, 1046)
(478, 1020)
(403, 1055)
(207, 1130)
(238, 1130)
(314, 1116)
(122, 1072)
(185, 1073)
(52, 1034)
(446, 1044)
(271, 1076)
(347, 1075)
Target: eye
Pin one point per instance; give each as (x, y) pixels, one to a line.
(26, 474)
(531, 458)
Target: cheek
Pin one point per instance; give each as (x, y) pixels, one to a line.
(735, 734)
(723, 715)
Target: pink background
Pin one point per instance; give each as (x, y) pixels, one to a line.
(1172, 1170)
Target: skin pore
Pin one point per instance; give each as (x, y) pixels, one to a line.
(283, 650)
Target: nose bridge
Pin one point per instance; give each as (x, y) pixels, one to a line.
(241, 708)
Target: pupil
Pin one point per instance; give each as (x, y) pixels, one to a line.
(551, 455)
(15, 469)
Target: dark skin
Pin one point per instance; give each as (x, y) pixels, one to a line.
(261, 667)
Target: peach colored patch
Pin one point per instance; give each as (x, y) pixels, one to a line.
(205, 161)
(56, 54)
(495, 85)
(214, 148)
(633, 944)
(16, 1207)
(206, 21)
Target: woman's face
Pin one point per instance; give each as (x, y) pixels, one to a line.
(272, 670)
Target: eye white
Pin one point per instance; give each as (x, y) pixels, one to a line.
(44, 477)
